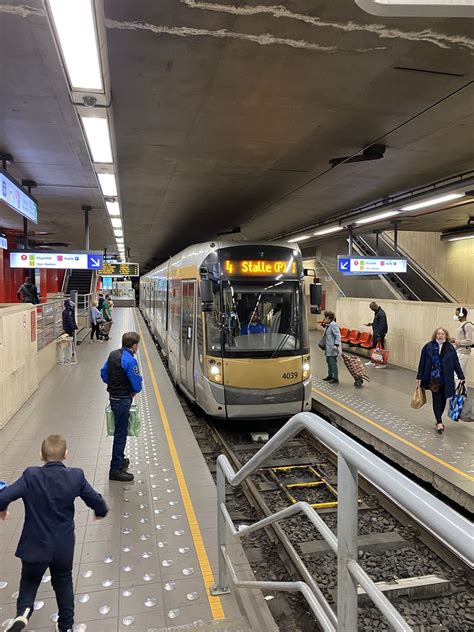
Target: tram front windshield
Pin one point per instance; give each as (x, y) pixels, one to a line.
(258, 320)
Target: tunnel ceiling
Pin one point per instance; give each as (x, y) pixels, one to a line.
(227, 114)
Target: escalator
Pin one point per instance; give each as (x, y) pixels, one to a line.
(414, 285)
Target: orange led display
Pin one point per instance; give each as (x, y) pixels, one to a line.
(261, 267)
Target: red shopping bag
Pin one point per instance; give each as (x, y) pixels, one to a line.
(379, 355)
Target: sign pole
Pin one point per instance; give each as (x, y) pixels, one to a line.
(351, 236)
(86, 210)
(29, 184)
(395, 224)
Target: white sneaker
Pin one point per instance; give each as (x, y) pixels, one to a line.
(381, 366)
(369, 363)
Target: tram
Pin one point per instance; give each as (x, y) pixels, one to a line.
(231, 320)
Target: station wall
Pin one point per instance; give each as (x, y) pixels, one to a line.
(451, 263)
(410, 326)
(12, 278)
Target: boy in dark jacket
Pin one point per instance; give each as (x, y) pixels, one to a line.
(48, 536)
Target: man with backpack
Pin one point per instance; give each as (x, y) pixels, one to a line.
(27, 292)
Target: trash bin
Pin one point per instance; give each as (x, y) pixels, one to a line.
(66, 350)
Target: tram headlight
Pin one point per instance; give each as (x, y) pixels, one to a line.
(306, 367)
(215, 371)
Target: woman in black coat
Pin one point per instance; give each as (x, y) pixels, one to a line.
(438, 363)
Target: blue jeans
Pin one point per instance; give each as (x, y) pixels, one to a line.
(121, 408)
(61, 579)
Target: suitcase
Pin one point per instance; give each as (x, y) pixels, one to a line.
(104, 329)
(356, 368)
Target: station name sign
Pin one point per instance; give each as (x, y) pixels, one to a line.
(16, 198)
(370, 265)
(119, 269)
(259, 267)
(57, 260)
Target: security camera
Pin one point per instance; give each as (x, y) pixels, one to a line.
(89, 102)
(110, 199)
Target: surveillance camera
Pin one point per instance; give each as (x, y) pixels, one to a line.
(89, 102)
(110, 199)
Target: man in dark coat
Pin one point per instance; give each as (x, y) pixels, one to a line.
(27, 292)
(69, 317)
(379, 329)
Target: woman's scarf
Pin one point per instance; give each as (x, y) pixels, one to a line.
(436, 375)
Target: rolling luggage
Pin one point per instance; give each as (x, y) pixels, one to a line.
(356, 369)
(104, 329)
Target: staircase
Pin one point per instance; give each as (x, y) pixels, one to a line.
(80, 280)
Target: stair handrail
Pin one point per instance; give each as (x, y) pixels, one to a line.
(445, 523)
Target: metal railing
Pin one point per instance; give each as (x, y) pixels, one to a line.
(445, 523)
(83, 303)
(49, 322)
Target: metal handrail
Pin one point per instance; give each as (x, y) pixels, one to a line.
(49, 323)
(444, 522)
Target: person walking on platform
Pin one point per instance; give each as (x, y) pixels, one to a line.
(27, 292)
(332, 340)
(121, 373)
(379, 329)
(95, 318)
(438, 363)
(48, 538)
(463, 339)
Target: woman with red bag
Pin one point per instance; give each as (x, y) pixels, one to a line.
(438, 363)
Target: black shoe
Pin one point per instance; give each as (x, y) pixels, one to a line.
(120, 475)
(333, 381)
(18, 624)
(327, 379)
(126, 464)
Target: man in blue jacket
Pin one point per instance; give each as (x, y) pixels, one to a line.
(121, 373)
(48, 536)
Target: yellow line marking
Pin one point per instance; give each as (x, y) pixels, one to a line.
(206, 570)
(396, 436)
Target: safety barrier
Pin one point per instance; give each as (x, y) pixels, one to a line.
(445, 523)
(49, 322)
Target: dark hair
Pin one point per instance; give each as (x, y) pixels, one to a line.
(373, 305)
(129, 339)
(330, 315)
(463, 309)
(448, 337)
(54, 448)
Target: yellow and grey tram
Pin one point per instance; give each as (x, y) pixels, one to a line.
(231, 319)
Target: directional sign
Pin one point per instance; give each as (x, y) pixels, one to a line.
(56, 260)
(3, 243)
(119, 269)
(370, 265)
(12, 194)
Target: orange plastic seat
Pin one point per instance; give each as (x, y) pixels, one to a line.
(345, 332)
(354, 337)
(367, 342)
(364, 338)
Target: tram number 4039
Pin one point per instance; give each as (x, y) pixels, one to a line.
(290, 375)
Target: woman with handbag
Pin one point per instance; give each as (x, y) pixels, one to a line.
(331, 345)
(438, 363)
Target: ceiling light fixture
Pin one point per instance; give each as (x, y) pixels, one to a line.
(458, 235)
(76, 33)
(108, 184)
(296, 239)
(432, 201)
(98, 138)
(113, 208)
(327, 231)
(118, 232)
(116, 222)
(376, 218)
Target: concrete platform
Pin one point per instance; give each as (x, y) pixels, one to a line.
(380, 415)
(150, 563)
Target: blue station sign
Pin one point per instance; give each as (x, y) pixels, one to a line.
(370, 265)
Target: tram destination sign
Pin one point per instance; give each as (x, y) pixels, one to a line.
(119, 269)
(16, 198)
(370, 265)
(57, 260)
(260, 267)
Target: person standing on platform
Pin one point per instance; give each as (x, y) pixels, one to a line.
(95, 317)
(100, 301)
(463, 339)
(121, 373)
(69, 317)
(48, 537)
(379, 330)
(438, 363)
(332, 338)
(27, 292)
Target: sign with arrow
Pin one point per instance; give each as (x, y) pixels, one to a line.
(56, 260)
(370, 265)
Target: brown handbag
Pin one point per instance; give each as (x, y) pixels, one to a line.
(419, 398)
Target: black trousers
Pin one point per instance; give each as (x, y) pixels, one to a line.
(94, 330)
(439, 404)
(378, 340)
(61, 580)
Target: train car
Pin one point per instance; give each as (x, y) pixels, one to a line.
(231, 319)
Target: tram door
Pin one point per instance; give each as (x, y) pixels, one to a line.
(187, 335)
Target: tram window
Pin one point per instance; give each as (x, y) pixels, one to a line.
(213, 324)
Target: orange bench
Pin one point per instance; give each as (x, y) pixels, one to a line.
(365, 341)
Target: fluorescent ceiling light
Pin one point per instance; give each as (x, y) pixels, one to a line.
(75, 28)
(295, 239)
(326, 231)
(107, 184)
(460, 238)
(98, 138)
(119, 240)
(432, 201)
(113, 208)
(375, 218)
(118, 232)
(116, 222)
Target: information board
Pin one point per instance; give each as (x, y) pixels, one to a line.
(13, 195)
(57, 260)
(3, 243)
(370, 265)
(119, 269)
(260, 267)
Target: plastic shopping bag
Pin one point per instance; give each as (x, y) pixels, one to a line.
(379, 355)
(134, 422)
(419, 398)
(457, 402)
